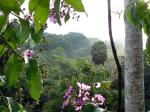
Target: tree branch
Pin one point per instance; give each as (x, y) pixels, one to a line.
(115, 57)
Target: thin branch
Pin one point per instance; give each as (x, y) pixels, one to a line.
(115, 57)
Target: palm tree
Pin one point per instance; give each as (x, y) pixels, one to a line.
(134, 66)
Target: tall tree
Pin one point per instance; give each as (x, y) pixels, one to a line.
(99, 52)
(134, 66)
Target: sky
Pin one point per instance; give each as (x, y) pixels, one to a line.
(95, 25)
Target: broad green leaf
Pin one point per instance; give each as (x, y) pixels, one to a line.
(2, 48)
(24, 30)
(9, 5)
(41, 13)
(34, 79)
(67, 17)
(76, 4)
(12, 70)
(32, 5)
(57, 9)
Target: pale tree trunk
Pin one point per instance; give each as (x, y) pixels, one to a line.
(134, 67)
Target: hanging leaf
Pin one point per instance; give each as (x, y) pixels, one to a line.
(57, 9)
(41, 13)
(34, 79)
(67, 17)
(24, 30)
(76, 4)
(12, 70)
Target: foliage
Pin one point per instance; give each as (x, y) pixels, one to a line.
(138, 14)
(99, 52)
(15, 36)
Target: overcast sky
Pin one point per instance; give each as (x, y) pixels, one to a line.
(95, 25)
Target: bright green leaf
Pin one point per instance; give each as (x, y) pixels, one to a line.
(76, 4)
(34, 79)
(32, 5)
(12, 70)
(41, 13)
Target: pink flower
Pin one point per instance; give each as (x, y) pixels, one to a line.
(98, 99)
(27, 54)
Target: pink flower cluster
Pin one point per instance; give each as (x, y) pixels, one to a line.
(82, 97)
(27, 54)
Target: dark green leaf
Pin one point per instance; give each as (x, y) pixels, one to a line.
(67, 17)
(2, 48)
(57, 9)
(34, 79)
(12, 70)
(41, 13)
(76, 4)
(24, 30)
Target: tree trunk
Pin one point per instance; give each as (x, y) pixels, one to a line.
(134, 67)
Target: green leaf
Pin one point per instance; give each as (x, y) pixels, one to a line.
(34, 79)
(32, 5)
(12, 70)
(24, 30)
(37, 37)
(11, 44)
(76, 4)
(132, 17)
(41, 13)
(67, 17)
(57, 9)
(9, 5)
(2, 49)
